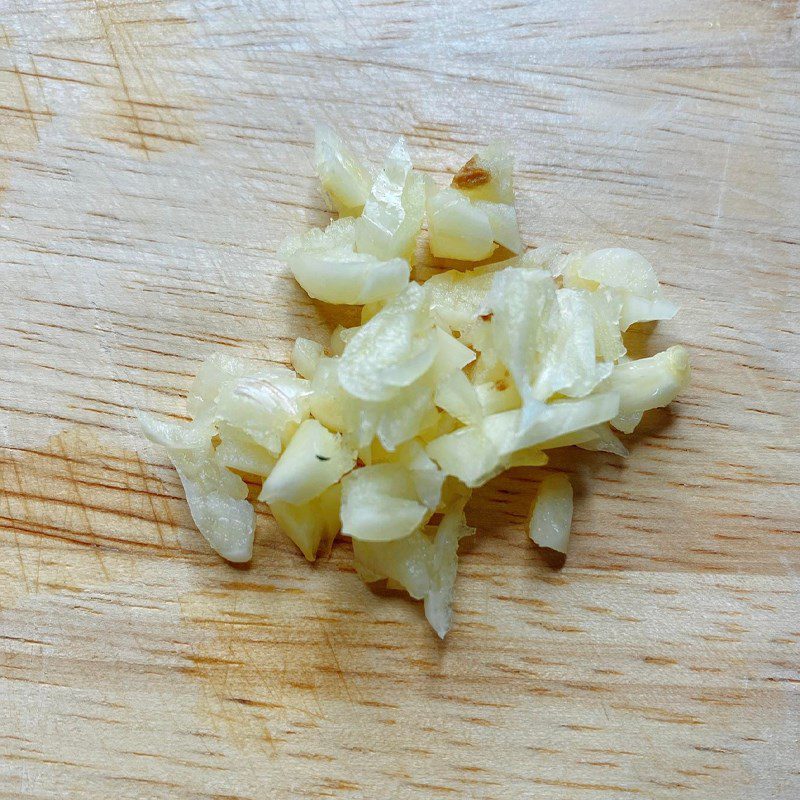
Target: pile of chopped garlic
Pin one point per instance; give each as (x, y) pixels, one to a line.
(382, 435)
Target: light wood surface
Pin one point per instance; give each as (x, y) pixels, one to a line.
(154, 154)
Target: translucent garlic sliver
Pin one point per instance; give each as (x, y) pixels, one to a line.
(339, 235)
(401, 420)
(497, 396)
(620, 268)
(603, 439)
(468, 454)
(428, 479)
(392, 350)
(556, 419)
(633, 279)
(264, 402)
(639, 309)
(238, 451)
(451, 355)
(457, 396)
(217, 498)
(569, 360)
(627, 423)
(606, 307)
(524, 320)
(329, 403)
(458, 299)
(394, 421)
(380, 503)
(406, 561)
(444, 568)
(393, 213)
(579, 437)
(527, 457)
(340, 336)
(218, 370)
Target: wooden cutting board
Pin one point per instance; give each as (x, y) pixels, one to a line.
(154, 154)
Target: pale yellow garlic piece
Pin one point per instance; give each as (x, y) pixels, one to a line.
(551, 520)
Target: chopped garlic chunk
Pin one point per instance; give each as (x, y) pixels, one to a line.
(649, 382)
(523, 304)
(238, 451)
(552, 514)
(503, 223)
(344, 181)
(424, 564)
(556, 419)
(311, 525)
(313, 460)
(327, 266)
(467, 454)
(457, 228)
(306, 354)
(488, 175)
(267, 405)
(458, 397)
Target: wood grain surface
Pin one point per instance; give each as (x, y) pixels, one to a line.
(153, 155)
